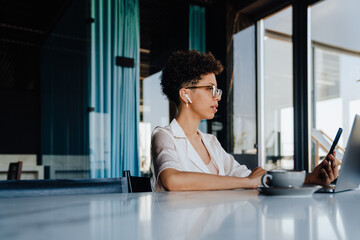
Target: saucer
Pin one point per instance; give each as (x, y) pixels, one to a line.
(303, 191)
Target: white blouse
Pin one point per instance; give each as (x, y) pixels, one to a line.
(171, 149)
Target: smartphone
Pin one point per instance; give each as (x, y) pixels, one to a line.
(336, 140)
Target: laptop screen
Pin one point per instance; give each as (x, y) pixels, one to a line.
(349, 176)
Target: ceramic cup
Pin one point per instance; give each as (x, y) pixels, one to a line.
(283, 178)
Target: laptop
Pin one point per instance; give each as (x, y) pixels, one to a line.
(349, 175)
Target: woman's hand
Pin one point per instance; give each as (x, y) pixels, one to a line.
(324, 174)
(255, 177)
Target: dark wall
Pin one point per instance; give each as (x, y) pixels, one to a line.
(19, 122)
(19, 99)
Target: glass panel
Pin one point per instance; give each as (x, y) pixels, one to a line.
(336, 70)
(155, 112)
(44, 75)
(244, 100)
(278, 91)
(280, 22)
(65, 71)
(244, 106)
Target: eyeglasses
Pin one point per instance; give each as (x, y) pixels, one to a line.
(214, 90)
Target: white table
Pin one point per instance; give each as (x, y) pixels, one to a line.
(240, 214)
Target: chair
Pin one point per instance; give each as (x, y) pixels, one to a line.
(137, 184)
(249, 160)
(60, 187)
(14, 172)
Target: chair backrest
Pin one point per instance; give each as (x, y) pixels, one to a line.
(249, 160)
(14, 172)
(57, 187)
(137, 184)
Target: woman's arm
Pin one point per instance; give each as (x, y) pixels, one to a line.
(174, 180)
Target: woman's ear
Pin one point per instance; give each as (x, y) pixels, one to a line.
(182, 95)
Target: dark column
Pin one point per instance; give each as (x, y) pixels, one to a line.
(300, 87)
(216, 43)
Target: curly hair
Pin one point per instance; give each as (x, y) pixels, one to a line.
(185, 68)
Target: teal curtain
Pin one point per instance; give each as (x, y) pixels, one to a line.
(197, 28)
(197, 38)
(114, 90)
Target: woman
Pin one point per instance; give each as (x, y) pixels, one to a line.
(183, 158)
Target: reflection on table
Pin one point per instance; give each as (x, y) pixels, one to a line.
(240, 214)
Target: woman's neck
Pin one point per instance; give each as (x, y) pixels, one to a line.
(188, 122)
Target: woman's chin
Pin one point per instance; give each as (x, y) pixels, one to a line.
(210, 116)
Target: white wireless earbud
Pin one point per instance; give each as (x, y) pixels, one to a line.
(187, 96)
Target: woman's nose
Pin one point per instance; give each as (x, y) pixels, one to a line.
(218, 97)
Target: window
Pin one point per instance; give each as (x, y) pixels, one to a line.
(278, 91)
(155, 112)
(335, 92)
(263, 102)
(244, 106)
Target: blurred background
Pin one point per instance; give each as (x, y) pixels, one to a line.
(80, 80)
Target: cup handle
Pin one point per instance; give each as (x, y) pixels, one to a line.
(264, 178)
